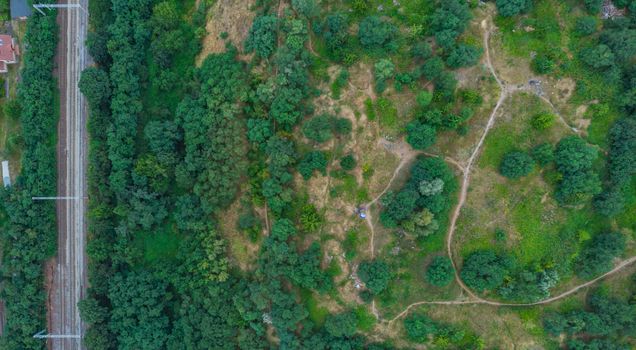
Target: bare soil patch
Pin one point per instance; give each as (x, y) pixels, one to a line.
(232, 17)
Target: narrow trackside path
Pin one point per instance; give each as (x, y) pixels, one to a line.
(504, 93)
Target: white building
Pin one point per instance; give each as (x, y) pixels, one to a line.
(6, 177)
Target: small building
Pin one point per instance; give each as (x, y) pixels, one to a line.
(8, 52)
(20, 9)
(6, 177)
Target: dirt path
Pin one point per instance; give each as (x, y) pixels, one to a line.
(505, 91)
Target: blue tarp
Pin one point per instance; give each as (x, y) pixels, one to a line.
(20, 8)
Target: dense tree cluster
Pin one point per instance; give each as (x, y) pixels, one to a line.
(597, 256)
(375, 274)
(516, 164)
(600, 324)
(574, 159)
(440, 272)
(428, 190)
(29, 233)
(422, 329)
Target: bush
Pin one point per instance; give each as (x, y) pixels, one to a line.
(421, 50)
(419, 327)
(314, 160)
(585, 25)
(543, 64)
(463, 56)
(424, 98)
(508, 8)
(543, 121)
(593, 6)
(485, 270)
(597, 256)
(348, 162)
(375, 274)
(342, 324)
(516, 164)
(600, 56)
(543, 154)
(262, 36)
(377, 34)
(440, 271)
(384, 69)
(318, 128)
(420, 135)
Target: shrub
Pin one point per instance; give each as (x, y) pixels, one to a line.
(543, 121)
(440, 271)
(419, 327)
(508, 8)
(516, 164)
(420, 135)
(423, 98)
(543, 154)
(600, 56)
(318, 128)
(484, 269)
(377, 34)
(463, 56)
(342, 324)
(597, 256)
(262, 36)
(593, 6)
(585, 25)
(543, 64)
(421, 50)
(375, 274)
(348, 162)
(314, 160)
(384, 69)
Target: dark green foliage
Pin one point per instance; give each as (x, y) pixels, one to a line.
(129, 35)
(440, 272)
(399, 207)
(28, 228)
(375, 274)
(433, 68)
(95, 86)
(139, 320)
(610, 202)
(420, 135)
(341, 325)
(516, 164)
(318, 128)
(312, 161)
(593, 6)
(543, 154)
(259, 130)
(419, 327)
(377, 34)
(485, 270)
(445, 85)
(604, 318)
(463, 55)
(335, 32)
(508, 8)
(339, 83)
(600, 56)
(585, 25)
(421, 50)
(322, 128)
(262, 36)
(597, 256)
(162, 139)
(622, 155)
(348, 162)
(449, 20)
(307, 8)
(574, 158)
(214, 133)
(543, 64)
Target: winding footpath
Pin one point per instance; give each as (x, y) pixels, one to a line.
(505, 92)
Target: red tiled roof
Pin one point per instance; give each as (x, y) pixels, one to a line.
(7, 49)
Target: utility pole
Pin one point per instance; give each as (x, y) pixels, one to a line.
(39, 7)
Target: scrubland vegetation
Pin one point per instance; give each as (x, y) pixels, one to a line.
(296, 190)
